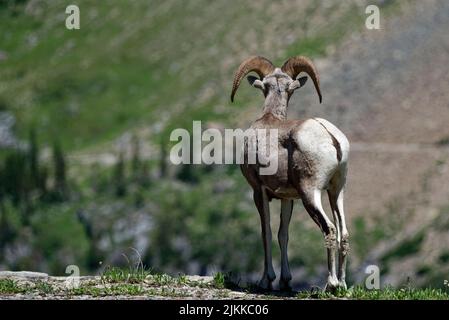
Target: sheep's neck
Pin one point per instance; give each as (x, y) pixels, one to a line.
(276, 104)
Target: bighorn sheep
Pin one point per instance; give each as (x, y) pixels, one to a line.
(312, 157)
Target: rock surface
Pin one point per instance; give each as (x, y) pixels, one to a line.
(41, 286)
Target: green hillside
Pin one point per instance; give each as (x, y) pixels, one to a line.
(145, 63)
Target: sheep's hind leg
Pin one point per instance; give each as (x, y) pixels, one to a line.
(336, 201)
(261, 201)
(312, 202)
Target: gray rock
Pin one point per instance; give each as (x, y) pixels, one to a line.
(23, 275)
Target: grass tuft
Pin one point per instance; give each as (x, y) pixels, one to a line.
(219, 280)
(127, 275)
(8, 286)
(43, 287)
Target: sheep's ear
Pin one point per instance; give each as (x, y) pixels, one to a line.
(298, 83)
(256, 83)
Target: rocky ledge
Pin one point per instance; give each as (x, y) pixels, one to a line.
(35, 285)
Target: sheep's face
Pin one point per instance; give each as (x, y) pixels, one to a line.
(277, 83)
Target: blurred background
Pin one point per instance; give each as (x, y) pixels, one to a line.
(85, 118)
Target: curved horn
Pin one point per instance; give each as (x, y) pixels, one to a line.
(260, 65)
(298, 64)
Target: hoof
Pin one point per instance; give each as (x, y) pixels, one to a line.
(284, 285)
(332, 286)
(265, 284)
(342, 285)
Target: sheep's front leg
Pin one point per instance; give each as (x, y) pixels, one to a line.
(261, 201)
(286, 213)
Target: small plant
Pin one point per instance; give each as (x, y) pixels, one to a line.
(182, 279)
(44, 287)
(219, 280)
(8, 286)
(227, 280)
(162, 279)
(129, 275)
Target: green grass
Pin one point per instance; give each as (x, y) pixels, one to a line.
(219, 280)
(388, 293)
(8, 286)
(127, 275)
(44, 287)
